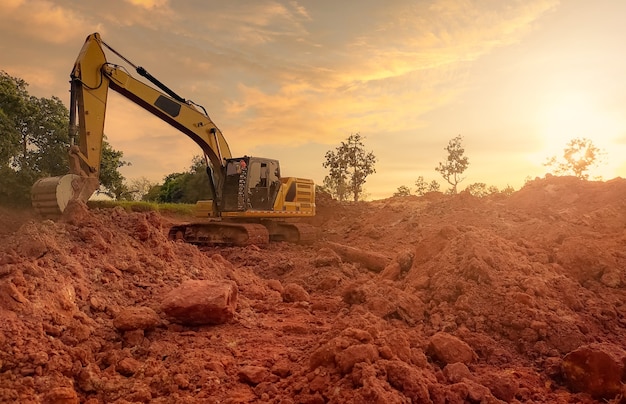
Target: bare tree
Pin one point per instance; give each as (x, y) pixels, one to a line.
(139, 187)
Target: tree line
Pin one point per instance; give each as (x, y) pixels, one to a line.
(34, 140)
(349, 165)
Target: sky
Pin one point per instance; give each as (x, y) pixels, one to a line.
(290, 80)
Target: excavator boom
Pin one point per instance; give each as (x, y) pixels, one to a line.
(91, 78)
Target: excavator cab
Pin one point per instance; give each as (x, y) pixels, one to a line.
(251, 184)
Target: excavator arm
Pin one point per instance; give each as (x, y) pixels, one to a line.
(91, 78)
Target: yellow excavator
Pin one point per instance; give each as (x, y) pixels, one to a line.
(251, 203)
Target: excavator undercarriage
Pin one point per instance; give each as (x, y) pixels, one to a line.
(241, 234)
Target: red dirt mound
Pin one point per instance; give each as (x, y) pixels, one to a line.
(442, 299)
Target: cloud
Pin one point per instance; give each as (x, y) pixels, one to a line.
(41, 20)
(420, 54)
(149, 4)
(247, 24)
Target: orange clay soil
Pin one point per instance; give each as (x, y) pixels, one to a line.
(443, 299)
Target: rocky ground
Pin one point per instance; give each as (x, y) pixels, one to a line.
(442, 299)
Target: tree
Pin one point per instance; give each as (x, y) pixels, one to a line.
(186, 187)
(422, 187)
(45, 136)
(455, 164)
(112, 182)
(153, 194)
(579, 155)
(434, 186)
(403, 190)
(336, 187)
(13, 97)
(138, 188)
(478, 189)
(172, 190)
(197, 186)
(349, 166)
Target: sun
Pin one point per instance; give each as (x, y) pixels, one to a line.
(578, 115)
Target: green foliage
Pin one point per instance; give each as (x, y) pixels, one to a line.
(45, 136)
(172, 188)
(111, 180)
(153, 194)
(15, 186)
(197, 185)
(349, 166)
(12, 104)
(186, 187)
(184, 209)
(403, 190)
(455, 164)
(579, 156)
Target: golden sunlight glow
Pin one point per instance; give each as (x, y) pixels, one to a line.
(576, 115)
(148, 4)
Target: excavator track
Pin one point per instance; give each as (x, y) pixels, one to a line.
(207, 233)
(307, 233)
(300, 233)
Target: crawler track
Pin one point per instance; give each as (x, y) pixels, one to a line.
(238, 234)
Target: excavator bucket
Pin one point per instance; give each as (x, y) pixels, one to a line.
(51, 195)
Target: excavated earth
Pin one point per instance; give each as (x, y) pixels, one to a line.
(442, 299)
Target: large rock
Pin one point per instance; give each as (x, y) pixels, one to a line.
(371, 260)
(354, 354)
(61, 395)
(295, 293)
(253, 374)
(596, 369)
(447, 348)
(136, 318)
(200, 302)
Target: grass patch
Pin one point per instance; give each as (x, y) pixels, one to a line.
(183, 209)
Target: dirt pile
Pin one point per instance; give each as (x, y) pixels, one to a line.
(470, 300)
